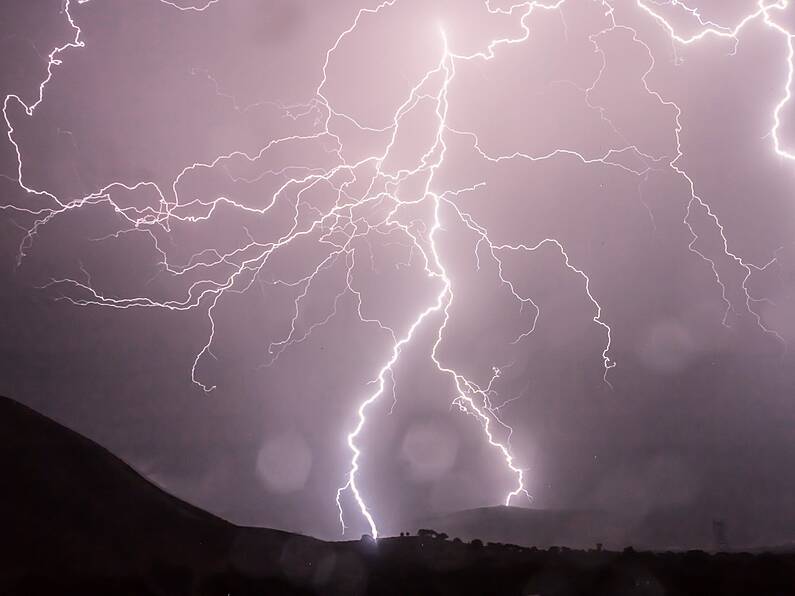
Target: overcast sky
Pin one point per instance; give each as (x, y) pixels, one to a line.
(697, 413)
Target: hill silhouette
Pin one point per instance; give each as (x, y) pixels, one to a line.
(527, 527)
(76, 511)
(74, 519)
(661, 529)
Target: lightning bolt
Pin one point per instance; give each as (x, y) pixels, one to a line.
(347, 227)
(711, 29)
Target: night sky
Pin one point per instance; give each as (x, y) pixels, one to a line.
(229, 215)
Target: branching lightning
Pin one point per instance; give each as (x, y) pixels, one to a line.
(346, 228)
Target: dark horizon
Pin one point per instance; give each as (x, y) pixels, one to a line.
(97, 484)
(85, 523)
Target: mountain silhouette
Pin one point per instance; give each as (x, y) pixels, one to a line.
(660, 529)
(527, 527)
(76, 520)
(71, 510)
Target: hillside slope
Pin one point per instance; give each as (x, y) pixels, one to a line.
(75, 520)
(72, 511)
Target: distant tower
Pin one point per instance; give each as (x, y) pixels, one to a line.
(719, 535)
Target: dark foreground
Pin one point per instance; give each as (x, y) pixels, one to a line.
(410, 566)
(76, 520)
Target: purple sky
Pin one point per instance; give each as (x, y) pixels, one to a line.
(141, 268)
